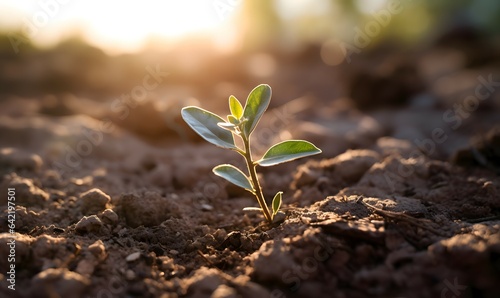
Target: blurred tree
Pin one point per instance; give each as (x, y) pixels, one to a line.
(260, 24)
(279, 21)
(14, 43)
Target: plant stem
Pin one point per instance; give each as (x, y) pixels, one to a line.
(253, 175)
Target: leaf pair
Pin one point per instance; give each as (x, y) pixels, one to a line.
(207, 124)
(276, 204)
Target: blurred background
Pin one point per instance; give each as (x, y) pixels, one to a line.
(349, 72)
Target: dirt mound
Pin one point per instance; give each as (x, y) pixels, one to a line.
(130, 219)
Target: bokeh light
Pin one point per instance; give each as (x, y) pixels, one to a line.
(115, 25)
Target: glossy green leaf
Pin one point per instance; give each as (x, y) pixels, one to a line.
(257, 103)
(235, 107)
(233, 175)
(205, 124)
(287, 151)
(277, 202)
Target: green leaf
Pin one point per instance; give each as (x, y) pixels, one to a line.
(257, 103)
(287, 151)
(277, 202)
(235, 107)
(205, 123)
(233, 175)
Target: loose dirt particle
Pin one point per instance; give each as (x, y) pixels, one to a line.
(147, 209)
(89, 224)
(27, 193)
(108, 216)
(20, 160)
(60, 282)
(94, 201)
(133, 257)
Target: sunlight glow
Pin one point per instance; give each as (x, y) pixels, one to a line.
(115, 24)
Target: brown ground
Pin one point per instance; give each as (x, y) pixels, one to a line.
(102, 212)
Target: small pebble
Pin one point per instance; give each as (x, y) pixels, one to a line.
(133, 256)
(108, 216)
(173, 252)
(98, 249)
(89, 224)
(27, 193)
(220, 235)
(279, 217)
(147, 209)
(207, 207)
(130, 275)
(58, 282)
(18, 159)
(93, 201)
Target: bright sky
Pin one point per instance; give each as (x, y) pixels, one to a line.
(116, 25)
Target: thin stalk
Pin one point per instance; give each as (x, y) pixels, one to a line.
(253, 175)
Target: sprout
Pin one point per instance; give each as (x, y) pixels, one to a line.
(241, 123)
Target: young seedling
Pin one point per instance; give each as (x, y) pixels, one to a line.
(241, 123)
